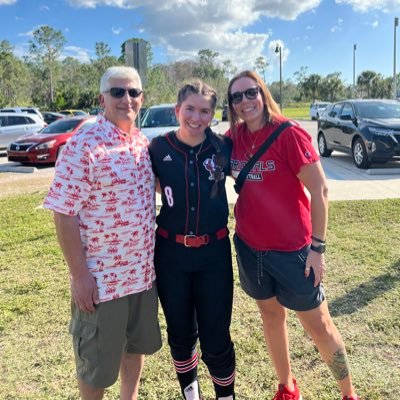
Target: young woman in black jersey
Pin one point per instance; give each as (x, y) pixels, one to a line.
(193, 253)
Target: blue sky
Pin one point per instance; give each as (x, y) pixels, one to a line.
(317, 34)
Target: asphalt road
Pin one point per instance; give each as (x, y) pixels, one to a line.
(345, 181)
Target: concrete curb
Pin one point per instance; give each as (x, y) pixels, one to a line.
(383, 171)
(17, 168)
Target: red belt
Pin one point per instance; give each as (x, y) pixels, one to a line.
(192, 240)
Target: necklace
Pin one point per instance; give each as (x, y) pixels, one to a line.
(250, 152)
(201, 146)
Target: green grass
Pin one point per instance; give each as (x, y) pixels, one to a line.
(299, 111)
(363, 289)
(294, 111)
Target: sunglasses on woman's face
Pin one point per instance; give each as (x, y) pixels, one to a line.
(250, 94)
(119, 92)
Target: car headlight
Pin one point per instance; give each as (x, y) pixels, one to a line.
(45, 146)
(383, 132)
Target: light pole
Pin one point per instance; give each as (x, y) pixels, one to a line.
(396, 23)
(354, 69)
(278, 49)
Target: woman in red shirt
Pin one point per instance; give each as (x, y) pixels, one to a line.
(280, 231)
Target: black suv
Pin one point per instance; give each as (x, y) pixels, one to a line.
(368, 129)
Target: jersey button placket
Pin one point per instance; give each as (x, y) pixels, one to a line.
(193, 195)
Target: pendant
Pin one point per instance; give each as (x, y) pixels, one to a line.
(248, 155)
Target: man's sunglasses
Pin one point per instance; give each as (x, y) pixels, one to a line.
(250, 94)
(119, 92)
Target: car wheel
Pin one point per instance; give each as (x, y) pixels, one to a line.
(360, 156)
(322, 148)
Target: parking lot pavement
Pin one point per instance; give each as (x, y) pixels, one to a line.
(345, 181)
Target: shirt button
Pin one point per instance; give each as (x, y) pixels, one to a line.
(191, 184)
(191, 233)
(191, 151)
(192, 209)
(190, 161)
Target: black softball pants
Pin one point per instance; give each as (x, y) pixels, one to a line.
(195, 287)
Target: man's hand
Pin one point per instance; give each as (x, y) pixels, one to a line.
(84, 291)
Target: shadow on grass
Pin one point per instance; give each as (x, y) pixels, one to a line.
(361, 296)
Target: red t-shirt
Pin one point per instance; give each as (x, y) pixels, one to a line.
(273, 210)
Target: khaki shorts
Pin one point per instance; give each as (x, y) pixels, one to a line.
(128, 324)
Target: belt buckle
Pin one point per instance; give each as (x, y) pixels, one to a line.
(185, 238)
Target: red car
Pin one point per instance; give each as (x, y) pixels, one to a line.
(45, 146)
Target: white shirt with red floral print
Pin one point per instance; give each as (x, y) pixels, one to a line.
(104, 177)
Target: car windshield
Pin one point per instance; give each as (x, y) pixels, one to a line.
(62, 126)
(159, 117)
(379, 110)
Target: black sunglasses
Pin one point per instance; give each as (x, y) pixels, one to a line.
(250, 94)
(119, 92)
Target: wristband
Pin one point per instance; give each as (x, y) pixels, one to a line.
(318, 240)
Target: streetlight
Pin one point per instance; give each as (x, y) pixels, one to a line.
(396, 23)
(354, 68)
(278, 49)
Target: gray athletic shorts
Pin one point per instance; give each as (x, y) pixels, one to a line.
(128, 324)
(265, 274)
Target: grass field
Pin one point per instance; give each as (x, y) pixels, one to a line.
(294, 111)
(363, 288)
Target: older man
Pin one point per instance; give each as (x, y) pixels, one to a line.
(104, 211)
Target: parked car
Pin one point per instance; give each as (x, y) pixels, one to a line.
(159, 119)
(73, 113)
(45, 146)
(368, 129)
(29, 110)
(224, 116)
(95, 110)
(50, 116)
(317, 109)
(13, 125)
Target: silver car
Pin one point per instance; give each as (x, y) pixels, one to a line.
(14, 125)
(29, 110)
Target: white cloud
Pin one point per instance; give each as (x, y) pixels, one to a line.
(375, 24)
(371, 5)
(27, 34)
(183, 27)
(76, 52)
(309, 27)
(338, 26)
(308, 49)
(44, 8)
(7, 2)
(21, 50)
(116, 31)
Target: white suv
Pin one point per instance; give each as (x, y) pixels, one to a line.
(316, 109)
(158, 120)
(29, 110)
(14, 125)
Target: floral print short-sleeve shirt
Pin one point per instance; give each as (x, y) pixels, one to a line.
(104, 177)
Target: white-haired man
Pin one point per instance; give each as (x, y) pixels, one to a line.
(104, 211)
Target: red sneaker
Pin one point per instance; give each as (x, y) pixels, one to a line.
(351, 398)
(284, 393)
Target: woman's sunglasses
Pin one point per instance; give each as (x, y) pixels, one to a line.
(250, 94)
(119, 92)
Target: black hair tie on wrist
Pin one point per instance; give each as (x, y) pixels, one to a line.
(317, 239)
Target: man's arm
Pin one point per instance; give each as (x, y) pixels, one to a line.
(84, 290)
